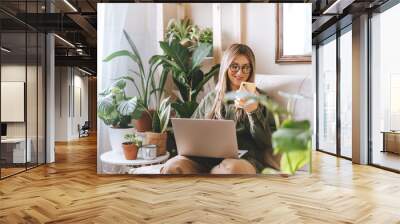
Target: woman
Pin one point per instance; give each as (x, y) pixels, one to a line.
(252, 121)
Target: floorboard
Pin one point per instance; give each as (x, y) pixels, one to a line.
(70, 191)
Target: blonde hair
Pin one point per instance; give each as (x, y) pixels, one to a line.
(223, 84)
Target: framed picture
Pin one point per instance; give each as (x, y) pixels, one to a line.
(293, 33)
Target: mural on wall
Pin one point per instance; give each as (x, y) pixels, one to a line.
(179, 109)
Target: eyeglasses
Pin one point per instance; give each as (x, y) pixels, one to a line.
(235, 68)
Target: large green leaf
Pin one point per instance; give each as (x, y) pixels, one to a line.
(120, 84)
(163, 79)
(304, 124)
(183, 87)
(121, 53)
(185, 109)
(292, 161)
(291, 139)
(156, 124)
(134, 49)
(169, 62)
(127, 107)
(105, 104)
(197, 76)
(197, 88)
(164, 112)
(178, 53)
(201, 52)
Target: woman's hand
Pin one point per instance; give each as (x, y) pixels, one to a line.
(247, 105)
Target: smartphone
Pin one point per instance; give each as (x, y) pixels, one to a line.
(248, 86)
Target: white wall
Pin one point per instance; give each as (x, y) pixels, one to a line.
(33, 127)
(15, 72)
(258, 28)
(259, 34)
(66, 119)
(200, 14)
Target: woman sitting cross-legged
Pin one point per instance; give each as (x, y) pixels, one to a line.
(253, 122)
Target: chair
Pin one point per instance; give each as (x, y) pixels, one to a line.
(84, 130)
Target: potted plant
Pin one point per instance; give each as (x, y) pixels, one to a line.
(206, 36)
(144, 83)
(187, 34)
(292, 138)
(131, 146)
(113, 110)
(186, 73)
(183, 31)
(158, 135)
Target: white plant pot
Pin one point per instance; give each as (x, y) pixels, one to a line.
(116, 136)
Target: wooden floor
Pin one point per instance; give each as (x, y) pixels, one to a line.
(386, 159)
(70, 191)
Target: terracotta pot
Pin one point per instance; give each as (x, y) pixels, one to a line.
(130, 151)
(116, 137)
(144, 123)
(159, 139)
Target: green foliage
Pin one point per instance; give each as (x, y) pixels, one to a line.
(292, 139)
(182, 30)
(186, 73)
(133, 139)
(206, 36)
(112, 105)
(292, 136)
(161, 116)
(291, 161)
(117, 109)
(187, 34)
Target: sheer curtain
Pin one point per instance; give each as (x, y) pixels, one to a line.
(109, 36)
(140, 21)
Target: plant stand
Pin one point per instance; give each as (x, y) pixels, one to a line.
(115, 162)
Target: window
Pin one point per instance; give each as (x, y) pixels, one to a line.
(327, 97)
(346, 94)
(385, 89)
(22, 75)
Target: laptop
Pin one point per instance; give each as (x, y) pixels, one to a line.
(205, 138)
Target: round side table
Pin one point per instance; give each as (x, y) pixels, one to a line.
(119, 165)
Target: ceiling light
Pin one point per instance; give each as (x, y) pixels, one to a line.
(64, 40)
(5, 50)
(84, 71)
(337, 7)
(70, 5)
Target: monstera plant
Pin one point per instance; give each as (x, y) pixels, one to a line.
(113, 104)
(186, 73)
(114, 109)
(292, 138)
